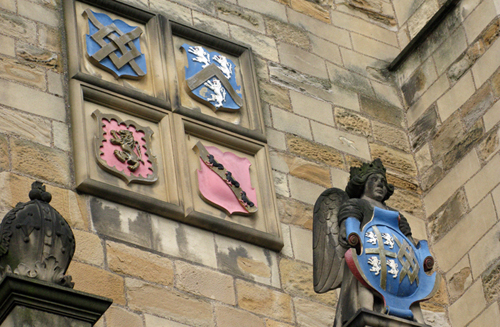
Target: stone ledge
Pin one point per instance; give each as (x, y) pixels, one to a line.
(22, 291)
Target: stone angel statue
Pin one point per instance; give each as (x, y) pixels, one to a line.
(366, 248)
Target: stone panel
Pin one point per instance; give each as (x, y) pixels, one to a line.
(394, 137)
(448, 216)
(325, 49)
(492, 116)
(459, 278)
(301, 241)
(345, 142)
(287, 33)
(424, 129)
(26, 74)
(313, 314)
(294, 212)
(482, 69)
(352, 122)
(419, 82)
(266, 7)
(373, 48)
(309, 171)
(314, 151)
(468, 306)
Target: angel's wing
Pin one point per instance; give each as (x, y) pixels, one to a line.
(328, 255)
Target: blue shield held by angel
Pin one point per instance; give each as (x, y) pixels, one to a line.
(366, 248)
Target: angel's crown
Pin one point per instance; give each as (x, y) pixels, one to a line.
(368, 168)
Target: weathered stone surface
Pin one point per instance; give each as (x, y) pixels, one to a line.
(459, 278)
(294, 212)
(240, 16)
(418, 83)
(450, 50)
(297, 280)
(181, 13)
(466, 61)
(311, 9)
(448, 216)
(275, 95)
(4, 153)
(229, 317)
(439, 301)
(43, 162)
(433, 93)
(291, 123)
(421, 16)
(491, 282)
(374, 9)
(325, 49)
(30, 127)
(170, 303)
(26, 74)
(303, 190)
(60, 134)
(301, 239)
(15, 26)
(121, 222)
(204, 282)
(281, 183)
(313, 314)
(49, 38)
(423, 158)
(71, 205)
(455, 97)
(352, 122)
(495, 82)
(405, 201)
(312, 108)
(247, 261)
(89, 248)
(97, 281)
(264, 301)
(490, 145)
(435, 319)
(261, 45)
(302, 60)
(39, 57)
(487, 316)
(346, 79)
(394, 159)
(382, 111)
(447, 136)
(477, 105)
(483, 182)
(403, 182)
(463, 145)
(210, 25)
(468, 306)
(116, 316)
(392, 136)
(485, 252)
(314, 151)
(309, 171)
(287, 33)
(491, 33)
(431, 176)
(346, 142)
(126, 260)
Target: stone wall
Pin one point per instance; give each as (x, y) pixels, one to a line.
(329, 103)
(450, 86)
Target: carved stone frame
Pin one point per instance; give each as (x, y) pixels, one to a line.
(154, 44)
(92, 179)
(251, 108)
(269, 233)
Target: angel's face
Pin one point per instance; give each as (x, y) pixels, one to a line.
(375, 187)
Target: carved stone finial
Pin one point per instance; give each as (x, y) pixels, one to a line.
(36, 241)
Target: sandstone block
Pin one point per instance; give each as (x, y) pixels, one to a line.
(423, 158)
(382, 111)
(303, 190)
(39, 103)
(154, 321)
(468, 306)
(37, 160)
(492, 313)
(13, 25)
(385, 90)
(4, 153)
(38, 13)
(308, 170)
(230, 317)
(274, 323)
(421, 16)
(297, 280)
(459, 278)
(287, 250)
(448, 135)
(491, 282)
(116, 316)
(49, 38)
(291, 123)
(311, 9)
(495, 82)
(281, 183)
(439, 301)
(455, 97)
(210, 25)
(314, 151)
(264, 301)
(30, 127)
(394, 159)
(275, 95)
(484, 181)
(427, 99)
(276, 139)
(8, 46)
(424, 129)
(301, 241)
(479, 19)
(239, 16)
(419, 82)
(313, 314)
(29, 75)
(464, 144)
(392, 136)
(448, 216)
(247, 261)
(431, 176)
(347, 80)
(294, 212)
(173, 304)
(325, 49)
(477, 105)
(127, 260)
(311, 108)
(38, 56)
(485, 252)
(287, 33)
(352, 122)
(204, 282)
(97, 281)
(181, 13)
(71, 205)
(326, 31)
(61, 135)
(374, 48)
(455, 178)
(450, 50)
(483, 217)
(345, 142)
(407, 202)
(262, 45)
(89, 248)
(403, 182)
(437, 319)
(482, 69)
(266, 7)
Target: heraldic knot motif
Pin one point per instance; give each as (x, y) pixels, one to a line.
(114, 46)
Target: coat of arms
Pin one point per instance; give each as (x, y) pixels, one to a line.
(123, 149)
(210, 78)
(389, 263)
(224, 180)
(114, 46)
